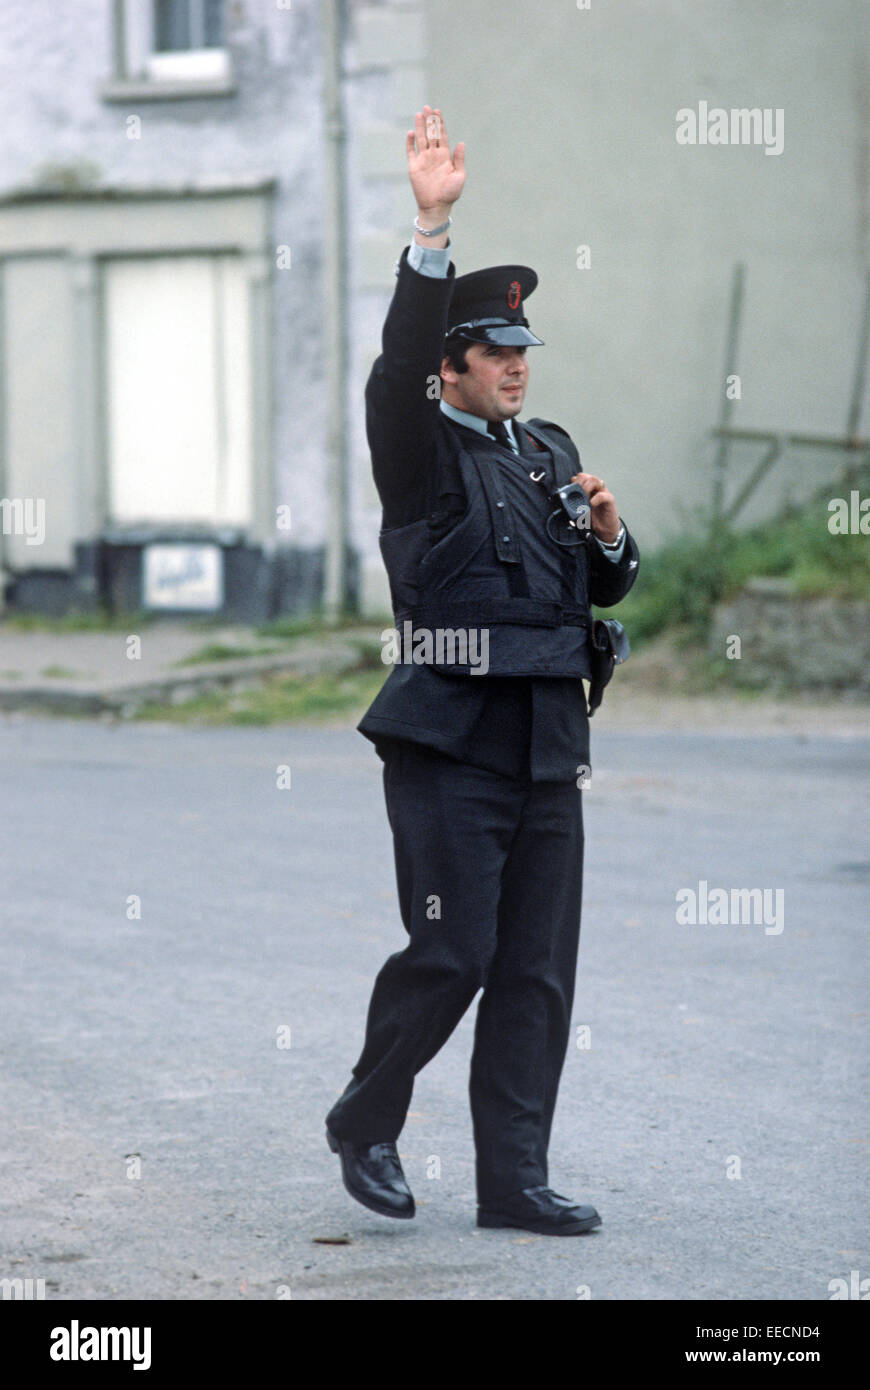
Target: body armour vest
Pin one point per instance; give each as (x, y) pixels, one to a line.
(496, 595)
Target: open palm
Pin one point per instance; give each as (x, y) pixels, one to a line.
(437, 177)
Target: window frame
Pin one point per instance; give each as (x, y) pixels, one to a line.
(145, 73)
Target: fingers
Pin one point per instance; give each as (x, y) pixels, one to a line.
(590, 484)
(459, 155)
(442, 137)
(420, 131)
(429, 131)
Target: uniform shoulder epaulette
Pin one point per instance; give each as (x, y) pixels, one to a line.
(544, 425)
(550, 425)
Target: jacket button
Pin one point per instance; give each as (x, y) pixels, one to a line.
(499, 504)
(505, 538)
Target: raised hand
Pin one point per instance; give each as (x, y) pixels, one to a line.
(437, 177)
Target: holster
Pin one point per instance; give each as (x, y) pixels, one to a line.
(609, 647)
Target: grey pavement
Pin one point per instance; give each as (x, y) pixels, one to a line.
(715, 1050)
(97, 671)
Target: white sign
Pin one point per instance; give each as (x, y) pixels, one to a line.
(183, 576)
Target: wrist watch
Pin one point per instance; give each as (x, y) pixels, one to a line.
(433, 231)
(612, 545)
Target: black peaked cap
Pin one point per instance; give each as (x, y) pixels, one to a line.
(487, 306)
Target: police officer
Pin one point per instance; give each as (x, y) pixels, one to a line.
(494, 538)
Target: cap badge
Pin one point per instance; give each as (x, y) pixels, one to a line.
(514, 294)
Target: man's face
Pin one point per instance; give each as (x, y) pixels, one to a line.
(494, 386)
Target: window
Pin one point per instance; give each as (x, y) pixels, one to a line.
(169, 48)
(178, 376)
(183, 24)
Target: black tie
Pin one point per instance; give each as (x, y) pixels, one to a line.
(498, 430)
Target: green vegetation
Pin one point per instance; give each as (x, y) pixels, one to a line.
(283, 631)
(280, 699)
(678, 585)
(286, 696)
(223, 651)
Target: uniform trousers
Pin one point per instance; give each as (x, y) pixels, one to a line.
(489, 871)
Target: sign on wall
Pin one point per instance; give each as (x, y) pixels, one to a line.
(177, 576)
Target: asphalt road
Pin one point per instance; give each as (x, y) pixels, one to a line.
(718, 1121)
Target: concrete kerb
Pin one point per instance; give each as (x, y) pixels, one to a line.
(307, 658)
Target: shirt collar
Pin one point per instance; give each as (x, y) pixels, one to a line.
(477, 422)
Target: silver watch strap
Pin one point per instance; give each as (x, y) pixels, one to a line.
(433, 231)
(613, 545)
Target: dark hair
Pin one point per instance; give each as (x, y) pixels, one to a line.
(455, 350)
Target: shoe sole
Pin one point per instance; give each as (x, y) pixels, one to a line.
(364, 1200)
(492, 1221)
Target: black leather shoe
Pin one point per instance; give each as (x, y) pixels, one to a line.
(373, 1175)
(541, 1210)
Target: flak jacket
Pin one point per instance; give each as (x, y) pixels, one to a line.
(464, 537)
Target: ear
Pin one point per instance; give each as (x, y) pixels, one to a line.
(448, 372)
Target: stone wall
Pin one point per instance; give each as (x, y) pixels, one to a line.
(788, 642)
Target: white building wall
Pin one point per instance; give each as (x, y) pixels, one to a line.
(569, 119)
(56, 61)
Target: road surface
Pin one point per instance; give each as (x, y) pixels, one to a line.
(165, 1075)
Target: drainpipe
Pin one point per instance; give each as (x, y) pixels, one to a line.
(335, 316)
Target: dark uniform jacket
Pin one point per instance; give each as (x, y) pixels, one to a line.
(423, 464)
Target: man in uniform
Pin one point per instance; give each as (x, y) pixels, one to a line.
(484, 752)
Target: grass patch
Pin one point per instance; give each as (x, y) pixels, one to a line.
(279, 699)
(368, 648)
(223, 651)
(678, 586)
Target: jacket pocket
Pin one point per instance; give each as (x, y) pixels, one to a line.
(442, 560)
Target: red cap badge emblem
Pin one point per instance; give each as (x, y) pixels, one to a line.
(514, 294)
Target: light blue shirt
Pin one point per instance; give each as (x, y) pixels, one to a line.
(434, 261)
(477, 422)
